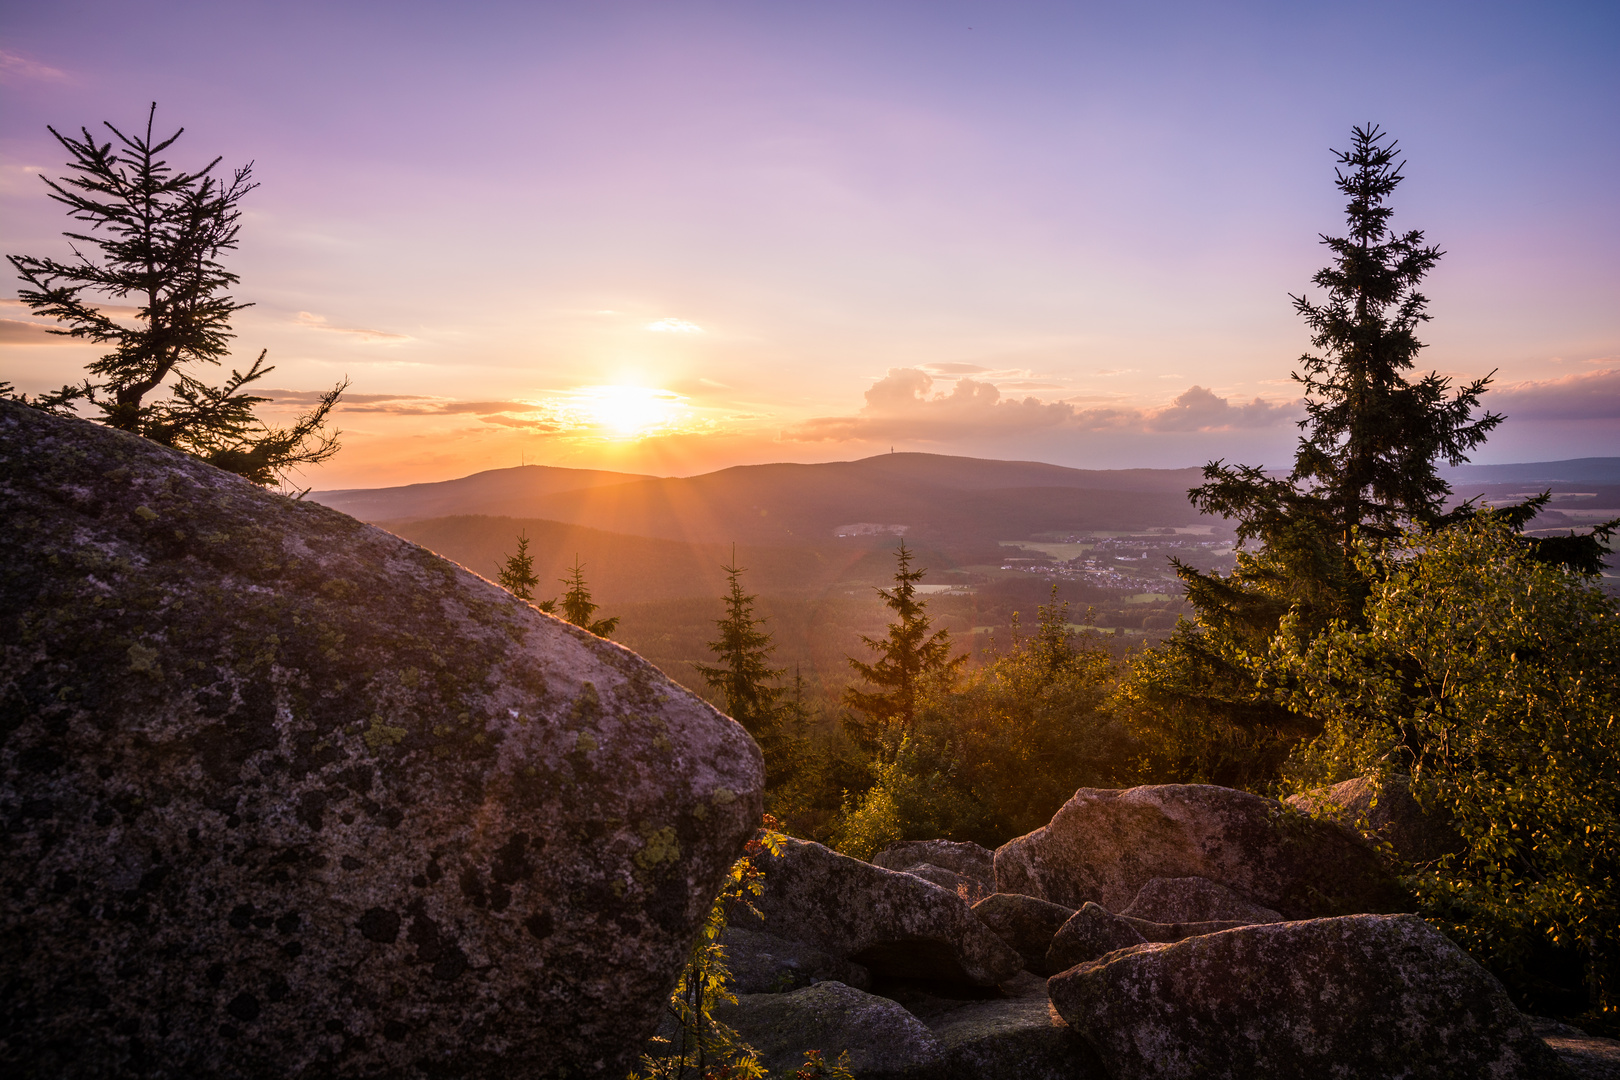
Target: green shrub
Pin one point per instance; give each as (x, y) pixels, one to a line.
(1489, 678)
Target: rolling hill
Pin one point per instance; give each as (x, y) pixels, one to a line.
(935, 497)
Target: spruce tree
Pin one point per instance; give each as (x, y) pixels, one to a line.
(155, 235)
(516, 575)
(744, 674)
(907, 658)
(1366, 464)
(1368, 460)
(577, 606)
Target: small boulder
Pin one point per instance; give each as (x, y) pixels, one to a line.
(1103, 845)
(1025, 923)
(1091, 932)
(766, 964)
(1384, 810)
(969, 860)
(884, 1041)
(1588, 1057)
(969, 889)
(1358, 996)
(1195, 900)
(892, 923)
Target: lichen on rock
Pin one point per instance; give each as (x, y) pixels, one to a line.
(1104, 845)
(287, 795)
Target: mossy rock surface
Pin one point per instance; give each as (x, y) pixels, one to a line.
(1105, 844)
(893, 923)
(287, 795)
(1336, 999)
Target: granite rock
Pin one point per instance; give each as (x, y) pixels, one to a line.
(1588, 1057)
(970, 889)
(1025, 923)
(1349, 997)
(287, 796)
(968, 860)
(1194, 900)
(1385, 811)
(766, 964)
(883, 1040)
(1104, 845)
(894, 924)
(1013, 1034)
(1091, 932)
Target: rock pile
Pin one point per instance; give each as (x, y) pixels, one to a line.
(285, 795)
(1158, 970)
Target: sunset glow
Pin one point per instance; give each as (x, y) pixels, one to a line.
(627, 412)
(732, 233)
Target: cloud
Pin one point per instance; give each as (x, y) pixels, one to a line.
(403, 404)
(955, 369)
(900, 406)
(414, 406)
(318, 322)
(115, 311)
(17, 332)
(1198, 409)
(15, 68)
(540, 424)
(310, 397)
(1587, 395)
(674, 326)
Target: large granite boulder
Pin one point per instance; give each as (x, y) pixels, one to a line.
(1358, 996)
(1194, 900)
(967, 860)
(1025, 923)
(287, 796)
(883, 1040)
(1103, 845)
(892, 923)
(1015, 1033)
(1384, 810)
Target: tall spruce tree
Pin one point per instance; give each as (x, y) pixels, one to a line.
(744, 675)
(1368, 460)
(155, 235)
(1366, 464)
(911, 654)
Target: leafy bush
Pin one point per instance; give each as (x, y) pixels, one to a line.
(1489, 677)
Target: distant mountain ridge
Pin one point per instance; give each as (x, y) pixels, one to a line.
(933, 495)
(1602, 471)
(464, 495)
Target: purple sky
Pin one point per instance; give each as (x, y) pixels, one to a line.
(675, 236)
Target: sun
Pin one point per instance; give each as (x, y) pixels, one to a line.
(627, 412)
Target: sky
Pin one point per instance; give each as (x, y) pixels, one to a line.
(670, 237)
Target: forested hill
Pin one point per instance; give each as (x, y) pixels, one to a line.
(624, 569)
(934, 496)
